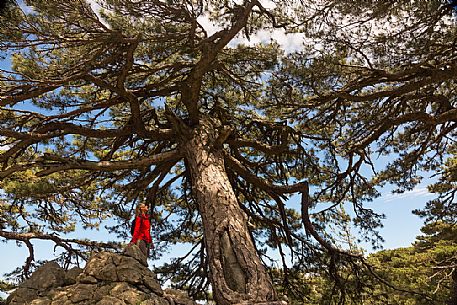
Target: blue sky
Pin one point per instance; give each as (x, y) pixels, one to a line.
(401, 226)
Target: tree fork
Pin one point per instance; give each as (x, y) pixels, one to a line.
(236, 271)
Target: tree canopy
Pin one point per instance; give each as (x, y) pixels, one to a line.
(110, 103)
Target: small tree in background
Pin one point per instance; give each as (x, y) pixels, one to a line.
(107, 104)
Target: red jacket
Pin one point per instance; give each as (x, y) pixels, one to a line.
(142, 229)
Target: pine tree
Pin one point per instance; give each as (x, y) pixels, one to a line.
(108, 104)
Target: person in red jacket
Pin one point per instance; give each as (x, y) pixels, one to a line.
(142, 229)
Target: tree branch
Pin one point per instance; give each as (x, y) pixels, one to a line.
(425, 118)
(210, 48)
(267, 186)
(55, 163)
(68, 164)
(63, 242)
(265, 148)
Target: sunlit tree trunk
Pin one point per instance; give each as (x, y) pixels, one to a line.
(236, 271)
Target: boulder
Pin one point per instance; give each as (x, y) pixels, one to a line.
(108, 278)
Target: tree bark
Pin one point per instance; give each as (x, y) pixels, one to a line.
(236, 271)
(453, 299)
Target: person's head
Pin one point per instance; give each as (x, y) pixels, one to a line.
(141, 209)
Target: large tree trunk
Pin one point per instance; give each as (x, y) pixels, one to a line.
(453, 299)
(236, 271)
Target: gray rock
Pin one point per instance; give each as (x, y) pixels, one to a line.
(81, 292)
(179, 297)
(118, 289)
(110, 301)
(71, 275)
(41, 302)
(101, 266)
(47, 276)
(42, 280)
(130, 270)
(152, 302)
(102, 290)
(134, 251)
(22, 295)
(61, 301)
(108, 279)
(151, 283)
(86, 279)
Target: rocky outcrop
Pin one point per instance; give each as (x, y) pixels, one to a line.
(108, 279)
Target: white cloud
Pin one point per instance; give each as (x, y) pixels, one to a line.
(268, 4)
(289, 42)
(208, 25)
(97, 8)
(4, 147)
(414, 193)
